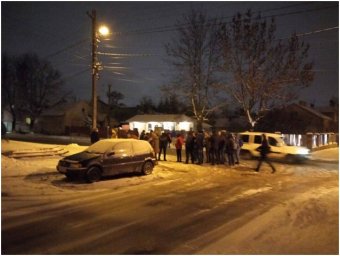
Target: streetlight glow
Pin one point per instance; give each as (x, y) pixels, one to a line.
(103, 30)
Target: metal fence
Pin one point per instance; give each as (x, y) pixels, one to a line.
(313, 141)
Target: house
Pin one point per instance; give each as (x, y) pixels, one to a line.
(171, 122)
(330, 111)
(315, 120)
(7, 119)
(297, 118)
(22, 120)
(71, 119)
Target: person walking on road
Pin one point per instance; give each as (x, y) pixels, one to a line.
(264, 150)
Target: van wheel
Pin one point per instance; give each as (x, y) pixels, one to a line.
(93, 174)
(290, 159)
(147, 168)
(246, 155)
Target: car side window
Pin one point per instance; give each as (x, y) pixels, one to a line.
(245, 138)
(257, 139)
(272, 141)
(123, 149)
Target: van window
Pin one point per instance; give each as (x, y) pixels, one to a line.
(245, 138)
(272, 141)
(257, 139)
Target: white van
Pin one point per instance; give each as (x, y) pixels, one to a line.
(279, 149)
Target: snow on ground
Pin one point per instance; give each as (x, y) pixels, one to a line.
(304, 209)
(36, 167)
(330, 154)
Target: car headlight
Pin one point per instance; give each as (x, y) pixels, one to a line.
(303, 151)
(75, 165)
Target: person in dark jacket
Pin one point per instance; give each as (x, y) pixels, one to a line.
(230, 149)
(142, 135)
(239, 144)
(164, 140)
(189, 147)
(207, 146)
(178, 145)
(264, 150)
(222, 139)
(214, 141)
(200, 145)
(94, 135)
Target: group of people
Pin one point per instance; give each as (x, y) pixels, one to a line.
(220, 147)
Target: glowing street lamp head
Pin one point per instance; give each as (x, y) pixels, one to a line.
(103, 30)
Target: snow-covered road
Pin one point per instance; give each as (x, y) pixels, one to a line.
(179, 209)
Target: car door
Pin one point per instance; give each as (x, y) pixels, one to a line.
(141, 151)
(118, 160)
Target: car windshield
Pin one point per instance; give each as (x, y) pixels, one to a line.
(100, 147)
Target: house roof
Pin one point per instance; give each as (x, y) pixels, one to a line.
(61, 109)
(328, 109)
(160, 118)
(312, 111)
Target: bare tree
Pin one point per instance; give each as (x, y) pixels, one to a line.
(171, 104)
(264, 71)
(194, 55)
(146, 105)
(38, 86)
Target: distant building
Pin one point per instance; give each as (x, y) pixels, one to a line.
(72, 119)
(171, 122)
(297, 118)
(330, 111)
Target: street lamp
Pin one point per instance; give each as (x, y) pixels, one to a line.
(96, 66)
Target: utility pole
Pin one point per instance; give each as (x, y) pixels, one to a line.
(93, 17)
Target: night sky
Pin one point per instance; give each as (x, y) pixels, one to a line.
(61, 32)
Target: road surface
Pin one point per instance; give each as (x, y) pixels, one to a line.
(179, 209)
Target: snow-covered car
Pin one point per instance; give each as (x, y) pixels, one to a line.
(279, 149)
(109, 157)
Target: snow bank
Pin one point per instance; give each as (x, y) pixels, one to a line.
(330, 154)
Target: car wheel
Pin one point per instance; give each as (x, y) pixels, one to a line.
(93, 174)
(70, 176)
(147, 168)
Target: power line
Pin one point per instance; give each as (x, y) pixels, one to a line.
(67, 78)
(67, 48)
(125, 54)
(317, 31)
(183, 25)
